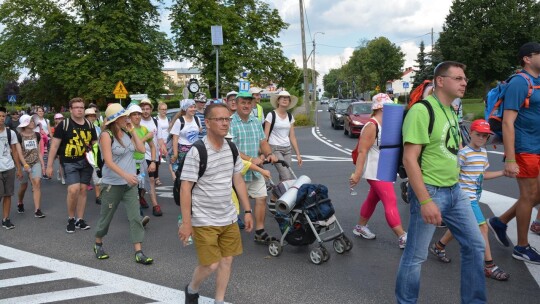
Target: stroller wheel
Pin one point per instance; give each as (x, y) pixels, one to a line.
(274, 248)
(339, 246)
(348, 243)
(326, 255)
(316, 256)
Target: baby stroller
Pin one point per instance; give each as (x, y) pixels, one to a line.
(311, 219)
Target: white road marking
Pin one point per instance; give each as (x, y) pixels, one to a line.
(106, 282)
(327, 142)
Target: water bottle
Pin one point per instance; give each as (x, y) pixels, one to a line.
(175, 166)
(141, 177)
(190, 239)
(351, 189)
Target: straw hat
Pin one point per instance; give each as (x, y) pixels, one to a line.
(114, 110)
(274, 98)
(146, 101)
(89, 111)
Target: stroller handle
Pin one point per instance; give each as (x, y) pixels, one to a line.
(282, 162)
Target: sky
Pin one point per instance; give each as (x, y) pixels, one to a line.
(347, 22)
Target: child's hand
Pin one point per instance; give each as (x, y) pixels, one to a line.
(266, 174)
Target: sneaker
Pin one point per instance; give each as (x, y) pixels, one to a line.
(63, 181)
(58, 175)
(402, 241)
(403, 186)
(241, 224)
(20, 208)
(39, 214)
(71, 225)
(81, 224)
(143, 202)
(45, 177)
(535, 227)
(156, 210)
(527, 254)
(439, 253)
(100, 253)
(364, 232)
(7, 224)
(145, 221)
(142, 259)
(191, 298)
(499, 229)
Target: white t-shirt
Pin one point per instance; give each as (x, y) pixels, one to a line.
(189, 134)
(163, 125)
(151, 126)
(281, 130)
(6, 160)
(44, 125)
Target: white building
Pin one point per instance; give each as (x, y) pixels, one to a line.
(397, 85)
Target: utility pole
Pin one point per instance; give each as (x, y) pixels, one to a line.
(304, 61)
(314, 72)
(431, 41)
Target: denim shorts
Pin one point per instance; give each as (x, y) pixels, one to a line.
(35, 172)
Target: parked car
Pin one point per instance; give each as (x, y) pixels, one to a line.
(336, 113)
(325, 100)
(332, 103)
(356, 116)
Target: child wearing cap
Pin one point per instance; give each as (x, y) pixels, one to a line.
(473, 162)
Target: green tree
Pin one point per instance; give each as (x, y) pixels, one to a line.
(486, 35)
(423, 70)
(250, 29)
(385, 60)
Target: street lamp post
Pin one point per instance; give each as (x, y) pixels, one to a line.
(314, 73)
(217, 40)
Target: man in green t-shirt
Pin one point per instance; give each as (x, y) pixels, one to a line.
(434, 193)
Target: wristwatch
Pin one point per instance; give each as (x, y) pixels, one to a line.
(247, 211)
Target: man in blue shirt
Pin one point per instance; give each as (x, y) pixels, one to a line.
(521, 137)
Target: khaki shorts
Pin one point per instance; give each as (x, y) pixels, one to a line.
(215, 242)
(256, 188)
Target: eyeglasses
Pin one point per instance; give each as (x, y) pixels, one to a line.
(165, 109)
(221, 119)
(78, 108)
(458, 78)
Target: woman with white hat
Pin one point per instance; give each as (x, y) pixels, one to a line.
(279, 131)
(368, 154)
(185, 128)
(117, 143)
(31, 158)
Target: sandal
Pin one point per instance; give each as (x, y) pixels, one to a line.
(158, 182)
(264, 238)
(439, 253)
(496, 273)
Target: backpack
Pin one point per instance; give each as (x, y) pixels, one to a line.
(354, 153)
(203, 160)
(418, 92)
(169, 143)
(98, 159)
(273, 122)
(66, 124)
(493, 113)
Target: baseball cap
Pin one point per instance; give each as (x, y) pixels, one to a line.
(528, 48)
(58, 116)
(481, 126)
(244, 95)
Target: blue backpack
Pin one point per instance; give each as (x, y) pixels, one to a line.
(493, 113)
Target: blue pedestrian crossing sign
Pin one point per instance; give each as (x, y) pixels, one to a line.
(12, 98)
(243, 86)
(405, 85)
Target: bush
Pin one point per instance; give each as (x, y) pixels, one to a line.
(301, 120)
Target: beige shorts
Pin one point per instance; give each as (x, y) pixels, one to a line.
(256, 188)
(215, 242)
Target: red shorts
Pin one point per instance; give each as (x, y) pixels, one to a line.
(529, 165)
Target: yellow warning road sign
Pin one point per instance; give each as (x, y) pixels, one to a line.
(120, 89)
(120, 96)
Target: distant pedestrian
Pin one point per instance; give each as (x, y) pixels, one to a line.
(200, 103)
(257, 108)
(368, 161)
(185, 131)
(208, 212)
(279, 131)
(434, 191)
(10, 167)
(58, 118)
(90, 114)
(163, 126)
(231, 101)
(72, 137)
(33, 164)
(14, 120)
(119, 183)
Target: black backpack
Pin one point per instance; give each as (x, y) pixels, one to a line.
(401, 168)
(203, 160)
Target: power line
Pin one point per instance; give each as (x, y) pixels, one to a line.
(307, 20)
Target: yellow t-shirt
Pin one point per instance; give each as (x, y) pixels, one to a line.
(245, 169)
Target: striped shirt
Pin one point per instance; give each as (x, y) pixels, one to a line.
(472, 164)
(211, 203)
(247, 135)
(203, 124)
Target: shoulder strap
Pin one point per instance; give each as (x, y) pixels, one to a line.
(66, 124)
(155, 121)
(182, 122)
(197, 121)
(38, 136)
(234, 150)
(272, 123)
(530, 90)
(203, 156)
(431, 114)
(373, 121)
(8, 133)
(290, 116)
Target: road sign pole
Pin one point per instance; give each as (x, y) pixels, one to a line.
(217, 72)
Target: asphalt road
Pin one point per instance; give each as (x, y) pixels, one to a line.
(366, 274)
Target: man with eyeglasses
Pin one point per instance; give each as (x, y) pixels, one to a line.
(72, 137)
(248, 135)
(521, 138)
(434, 192)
